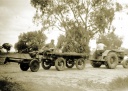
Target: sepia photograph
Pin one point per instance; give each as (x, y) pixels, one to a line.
(63, 45)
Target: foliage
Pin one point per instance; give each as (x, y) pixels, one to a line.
(85, 17)
(117, 84)
(61, 40)
(73, 42)
(30, 41)
(7, 46)
(21, 45)
(111, 40)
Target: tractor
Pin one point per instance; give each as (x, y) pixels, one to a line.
(109, 58)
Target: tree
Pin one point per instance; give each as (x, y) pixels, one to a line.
(7, 46)
(21, 45)
(61, 40)
(32, 40)
(85, 17)
(111, 40)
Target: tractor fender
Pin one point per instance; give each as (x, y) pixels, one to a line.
(106, 53)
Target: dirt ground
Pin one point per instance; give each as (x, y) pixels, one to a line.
(89, 79)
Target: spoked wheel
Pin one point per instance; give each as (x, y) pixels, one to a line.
(125, 63)
(111, 60)
(69, 63)
(60, 64)
(34, 65)
(24, 66)
(80, 64)
(46, 64)
(96, 64)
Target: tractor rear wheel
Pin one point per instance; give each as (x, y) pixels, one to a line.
(96, 64)
(111, 60)
(34, 65)
(24, 66)
(125, 63)
(60, 64)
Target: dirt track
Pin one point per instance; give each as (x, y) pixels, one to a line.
(89, 79)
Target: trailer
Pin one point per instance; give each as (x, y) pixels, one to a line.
(25, 64)
(49, 58)
(62, 60)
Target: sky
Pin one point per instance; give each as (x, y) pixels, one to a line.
(16, 17)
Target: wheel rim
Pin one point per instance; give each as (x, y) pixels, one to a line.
(60, 64)
(112, 60)
(34, 65)
(45, 64)
(69, 63)
(80, 64)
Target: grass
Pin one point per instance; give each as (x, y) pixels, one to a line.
(117, 84)
(6, 84)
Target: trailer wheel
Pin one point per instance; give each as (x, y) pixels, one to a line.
(60, 64)
(96, 64)
(24, 66)
(112, 60)
(34, 65)
(69, 63)
(80, 64)
(125, 63)
(46, 64)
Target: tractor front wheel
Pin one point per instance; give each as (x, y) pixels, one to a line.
(125, 63)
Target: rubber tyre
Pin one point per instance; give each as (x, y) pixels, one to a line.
(69, 63)
(106, 64)
(24, 66)
(45, 64)
(125, 63)
(80, 63)
(96, 64)
(34, 65)
(111, 60)
(60, 64)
